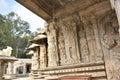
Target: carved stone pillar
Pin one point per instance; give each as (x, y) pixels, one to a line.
(5, 68)
(24, 68)
(53, 59)
(43, 56)
(98, 50)
(83, 44)
(35, 59)
(10, 67)
(116, 5)
(86, 55)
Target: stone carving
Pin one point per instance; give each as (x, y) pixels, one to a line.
(90, 40)
(116, 5)
(35, 59)
(69, 29)
(7, 51)
(89, 36)
(61, 44)
(52, 45)
(110, 36)
(111, 40)
(43, 54)
(83, 44)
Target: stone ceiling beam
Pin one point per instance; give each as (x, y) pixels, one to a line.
(49, 9)
(77, 5)
(37, 9)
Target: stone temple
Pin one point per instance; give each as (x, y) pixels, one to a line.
(81, 40)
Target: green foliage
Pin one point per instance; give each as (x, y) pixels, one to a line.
(14, 32)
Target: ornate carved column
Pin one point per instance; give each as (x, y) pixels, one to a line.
(34, 50)
(116, 5)
(53, 59)
(43, 55)
(36, 62)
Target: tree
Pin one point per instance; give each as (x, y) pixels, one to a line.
(14, 32)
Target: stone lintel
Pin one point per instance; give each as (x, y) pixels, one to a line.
(43, 9)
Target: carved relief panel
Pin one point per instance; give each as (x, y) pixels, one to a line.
(90, 45)
(69, 54)
(110, 39)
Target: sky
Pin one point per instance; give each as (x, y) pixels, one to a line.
(7, 6)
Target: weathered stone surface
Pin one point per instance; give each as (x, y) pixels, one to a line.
(35, 59)
(43, 56)
(110, 41)
(68, 28)
(53, 59)
(116, 5)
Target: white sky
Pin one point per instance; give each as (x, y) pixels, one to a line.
(7, 6)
